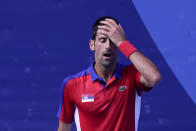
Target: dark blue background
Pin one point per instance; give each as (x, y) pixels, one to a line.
(43, 41)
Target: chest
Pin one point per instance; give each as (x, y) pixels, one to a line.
(93, 97)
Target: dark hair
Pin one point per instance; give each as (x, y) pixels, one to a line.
(97, 23)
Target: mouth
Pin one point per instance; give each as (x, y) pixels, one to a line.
(107, 55)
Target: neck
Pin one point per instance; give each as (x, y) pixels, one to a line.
(105, 72)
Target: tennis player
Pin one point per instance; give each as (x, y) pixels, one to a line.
(107, 95)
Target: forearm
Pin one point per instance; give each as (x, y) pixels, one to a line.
(64, 126)
(150, 75)
(147, 69)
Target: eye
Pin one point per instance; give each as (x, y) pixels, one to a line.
(102, 39)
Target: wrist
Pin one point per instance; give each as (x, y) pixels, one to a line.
(120, 42)
(127, 48)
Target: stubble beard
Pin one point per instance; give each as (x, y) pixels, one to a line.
(108, 63)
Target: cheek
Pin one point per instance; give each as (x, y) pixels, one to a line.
(97, 52)
(98, 49)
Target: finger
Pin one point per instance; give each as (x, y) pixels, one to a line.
(107, 23)
(102, 31)
(121, 28)
(107, 28)
(111, 21)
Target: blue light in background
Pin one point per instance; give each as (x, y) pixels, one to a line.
(172, 25)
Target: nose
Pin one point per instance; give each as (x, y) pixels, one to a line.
(108, 44)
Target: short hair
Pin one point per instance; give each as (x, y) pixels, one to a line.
(97, 23)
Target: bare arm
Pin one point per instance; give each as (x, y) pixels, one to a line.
(64, 126)
(150, 75)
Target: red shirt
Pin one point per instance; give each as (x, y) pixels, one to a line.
(99, 106)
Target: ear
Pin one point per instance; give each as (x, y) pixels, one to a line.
(92, 45)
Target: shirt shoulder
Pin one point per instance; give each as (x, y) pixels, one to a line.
(74, 78)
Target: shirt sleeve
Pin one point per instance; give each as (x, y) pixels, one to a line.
(139, 86)
(66, 105)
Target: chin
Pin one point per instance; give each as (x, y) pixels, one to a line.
(108, 63)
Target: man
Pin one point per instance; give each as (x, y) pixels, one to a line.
(106, 96)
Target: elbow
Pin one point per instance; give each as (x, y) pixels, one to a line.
(156, 79)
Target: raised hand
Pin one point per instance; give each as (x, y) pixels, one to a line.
(112, 30)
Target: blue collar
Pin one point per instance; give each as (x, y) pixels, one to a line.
(94, 76)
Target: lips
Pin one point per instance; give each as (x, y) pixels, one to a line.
(107, 55)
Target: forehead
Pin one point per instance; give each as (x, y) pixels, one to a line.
(101, 36)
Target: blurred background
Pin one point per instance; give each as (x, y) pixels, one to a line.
(43, 41)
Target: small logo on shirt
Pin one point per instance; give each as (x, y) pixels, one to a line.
(87, 98)
(122, 88)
